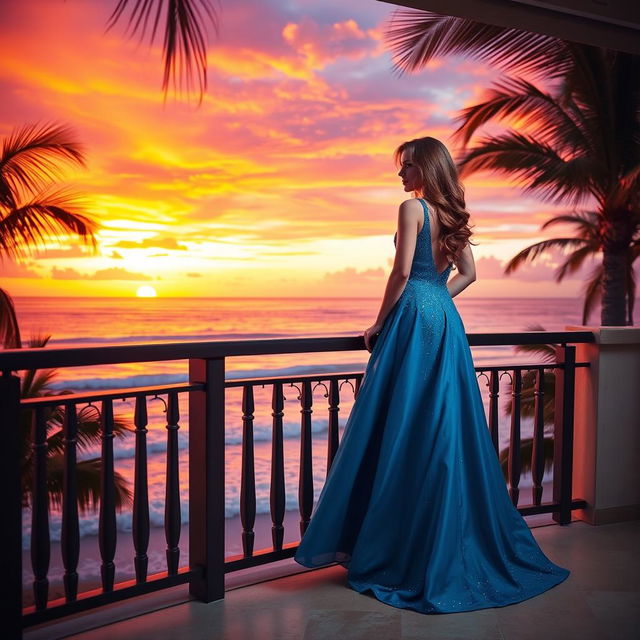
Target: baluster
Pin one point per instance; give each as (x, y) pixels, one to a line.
(107, 533)
(565, 381)
(248, 481)
(494, 396)
(514, 467)
(141, 492)
(277, 492)
(357, 388)
(334, 425)
(40, 543)
(305, 481)
(537, 452)
(70, 535)
(172, 519)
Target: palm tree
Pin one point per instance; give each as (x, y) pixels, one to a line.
(35, 384)
(587, 242)
(32, 211)
(185, 43)
(579, 141)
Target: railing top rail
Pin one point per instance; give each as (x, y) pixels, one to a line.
(109, 394)
(47, 358)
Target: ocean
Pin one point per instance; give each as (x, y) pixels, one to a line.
(77, 322)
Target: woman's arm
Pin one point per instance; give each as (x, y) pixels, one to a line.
(466, 272)
(408, 220)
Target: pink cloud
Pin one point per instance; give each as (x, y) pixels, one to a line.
(489, 267)
(322, 44)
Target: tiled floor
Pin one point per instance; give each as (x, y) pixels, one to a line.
(600, 600)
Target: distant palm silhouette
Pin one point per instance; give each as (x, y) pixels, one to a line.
(34, 384)
(578, 142)
(32, 209)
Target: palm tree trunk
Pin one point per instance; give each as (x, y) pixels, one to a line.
(616, 235)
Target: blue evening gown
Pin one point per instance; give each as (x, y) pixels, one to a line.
(415, 505)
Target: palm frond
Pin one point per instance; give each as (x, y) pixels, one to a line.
(88, 485)
(533, 165)
(526, 449)
(36, 381)
(536, 110)
(630, 181)
(9, 329)
(586, 221)
(51, 214)
(545, 352)
(89, 432)
(534, 251)
(38, 340)
(185, 42)
(415, 37)
(623, 193)
(33, 156)
(575, 260)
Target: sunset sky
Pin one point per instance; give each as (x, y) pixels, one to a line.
(281, 183)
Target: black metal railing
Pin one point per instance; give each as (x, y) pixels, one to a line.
(206, 391)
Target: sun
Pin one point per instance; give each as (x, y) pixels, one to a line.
(146, 291)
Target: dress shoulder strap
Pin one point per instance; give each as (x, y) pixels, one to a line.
(425, 209)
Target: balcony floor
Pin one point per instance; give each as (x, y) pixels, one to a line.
(599, 600)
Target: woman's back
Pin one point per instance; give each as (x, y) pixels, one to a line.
(423, 267)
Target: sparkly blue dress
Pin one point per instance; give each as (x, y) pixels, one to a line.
(415, 505)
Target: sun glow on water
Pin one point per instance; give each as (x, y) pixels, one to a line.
(146, 291)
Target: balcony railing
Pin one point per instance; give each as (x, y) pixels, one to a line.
(207, 391)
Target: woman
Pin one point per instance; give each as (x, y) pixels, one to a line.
(415, 505)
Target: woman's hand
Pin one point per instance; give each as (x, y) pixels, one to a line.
(368, 333)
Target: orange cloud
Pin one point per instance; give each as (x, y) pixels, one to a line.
(114, 273)
(12, 269)
(155, 242)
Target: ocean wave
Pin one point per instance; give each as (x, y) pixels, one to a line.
(89, 524)
(150, 380)
(144, 338)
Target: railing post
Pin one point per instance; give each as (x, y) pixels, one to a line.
(207, 479)
(11, 529)
(563, 433)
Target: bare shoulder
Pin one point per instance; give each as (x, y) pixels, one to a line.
(411, 203)
(411, 209)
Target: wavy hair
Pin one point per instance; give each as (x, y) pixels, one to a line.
(441, 186)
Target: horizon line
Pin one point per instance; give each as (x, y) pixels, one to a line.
(133, 297)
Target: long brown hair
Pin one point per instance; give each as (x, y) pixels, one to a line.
(441, 186)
